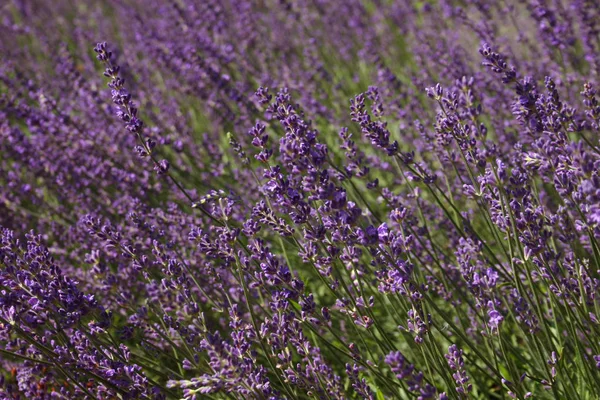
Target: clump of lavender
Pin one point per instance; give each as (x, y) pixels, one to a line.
(314, 207)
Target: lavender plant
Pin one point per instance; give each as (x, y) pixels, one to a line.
(361, 199)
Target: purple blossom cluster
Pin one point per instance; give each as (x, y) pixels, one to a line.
(300, 199)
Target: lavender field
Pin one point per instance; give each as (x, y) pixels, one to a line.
(300, 199)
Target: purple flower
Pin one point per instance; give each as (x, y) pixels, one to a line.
(495, 317)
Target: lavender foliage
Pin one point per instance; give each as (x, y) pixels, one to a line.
(361, 199)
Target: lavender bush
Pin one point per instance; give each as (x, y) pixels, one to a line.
(309, 199)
